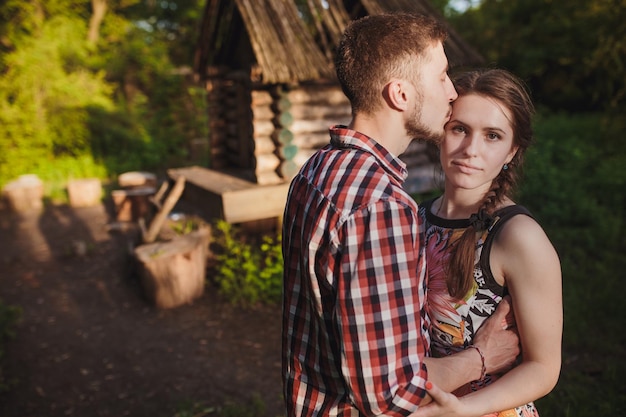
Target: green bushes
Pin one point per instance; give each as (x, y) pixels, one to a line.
(574, 184)
(70, 108)
(247, 272)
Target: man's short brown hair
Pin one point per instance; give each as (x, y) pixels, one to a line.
(377, 48)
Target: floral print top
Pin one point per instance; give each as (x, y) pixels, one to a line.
(454, 322)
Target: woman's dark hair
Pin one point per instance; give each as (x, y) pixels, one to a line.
(510, 92)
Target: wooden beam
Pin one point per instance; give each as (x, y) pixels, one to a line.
(221, 196)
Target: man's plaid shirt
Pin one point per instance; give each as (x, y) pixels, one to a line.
(354, 326)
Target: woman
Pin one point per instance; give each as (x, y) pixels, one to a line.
(481, 247)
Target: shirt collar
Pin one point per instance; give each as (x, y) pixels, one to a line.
(344, 137)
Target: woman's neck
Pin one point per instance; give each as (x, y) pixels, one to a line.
(461, 204)
(457, 203)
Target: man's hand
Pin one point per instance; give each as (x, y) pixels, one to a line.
(497, 338)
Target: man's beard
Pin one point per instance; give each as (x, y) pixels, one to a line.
(417, 130)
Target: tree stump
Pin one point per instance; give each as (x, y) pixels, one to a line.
(86, 192)
(24, 193)
(133, 204)
(137, 179)
(173, 273)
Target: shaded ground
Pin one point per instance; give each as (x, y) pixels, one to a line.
(88, 344)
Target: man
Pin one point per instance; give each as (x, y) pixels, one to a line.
(355, 331)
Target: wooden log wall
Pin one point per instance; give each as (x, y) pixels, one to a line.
(264, 134)
(216, 89)
(266, 158)
(422, 168)
(303, 116)
(241, 128)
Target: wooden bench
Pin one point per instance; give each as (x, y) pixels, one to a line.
(221, 196)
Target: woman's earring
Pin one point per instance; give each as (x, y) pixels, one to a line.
(505, 167)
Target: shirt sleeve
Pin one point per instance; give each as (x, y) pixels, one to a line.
(380, 308)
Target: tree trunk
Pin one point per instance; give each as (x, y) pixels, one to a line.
(174, 272)
(99, 10)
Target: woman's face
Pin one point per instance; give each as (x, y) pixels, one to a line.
(478, 142)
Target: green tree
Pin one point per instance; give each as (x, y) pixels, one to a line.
(571, 52)
(93, 88)
(46, 87)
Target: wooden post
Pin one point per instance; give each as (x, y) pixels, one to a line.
(85, 192)
(169, 203)
(132, 204)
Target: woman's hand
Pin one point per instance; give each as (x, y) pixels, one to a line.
(444, 404)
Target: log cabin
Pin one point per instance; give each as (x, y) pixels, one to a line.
(272, 93)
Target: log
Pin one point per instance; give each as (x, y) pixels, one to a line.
(262, 127)
(288, 151)
(263, 145)
(24, 194)
(284, 136)
(302, 156)
(318, 95)
(173, 273)
(289, 169)
(422, 179)
(314, 125)
(268, 178)
(284, 119)
(261, 98)
(321, 111)
(85, 192)
(262, 113)
(267, 162)
(133, 204)
(281, 104)
(168, 205)
(311, 140)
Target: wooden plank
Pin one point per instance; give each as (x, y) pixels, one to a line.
(259, 202)
(223, 196)
(215, 181)
(332, 95)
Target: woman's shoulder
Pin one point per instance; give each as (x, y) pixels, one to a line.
(522, 236)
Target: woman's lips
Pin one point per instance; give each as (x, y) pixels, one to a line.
(466, 168)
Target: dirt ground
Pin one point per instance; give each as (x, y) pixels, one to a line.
(89, 344)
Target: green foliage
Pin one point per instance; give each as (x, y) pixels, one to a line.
(247, 273)
(68, 106)
(571, 52)
(574, 184)
(9, 315)
(45, 93)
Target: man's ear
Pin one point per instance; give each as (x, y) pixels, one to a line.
(396, 94)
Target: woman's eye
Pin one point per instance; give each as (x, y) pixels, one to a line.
(493, 136)
(458, 129)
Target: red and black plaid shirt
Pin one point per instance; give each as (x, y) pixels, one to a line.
(354, 325)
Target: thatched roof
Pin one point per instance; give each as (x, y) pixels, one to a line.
(283, 44)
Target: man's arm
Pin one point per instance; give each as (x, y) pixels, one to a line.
(380, 308)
